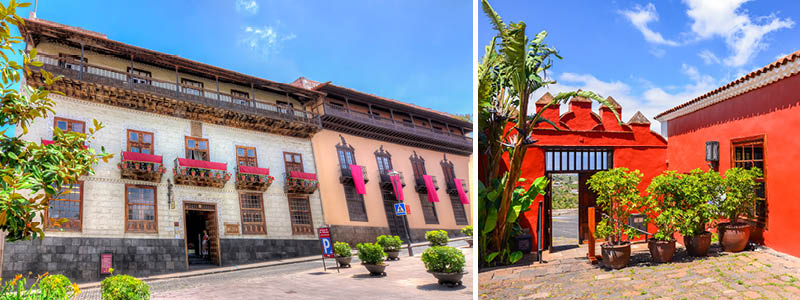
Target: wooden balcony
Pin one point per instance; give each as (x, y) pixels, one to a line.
(453, 189)
(420, 187)
(347, 176)
(140, 166)
(386, 182)
(354, 122)
(195, 103)
(253, 179)
(301, 183)
(200, 173)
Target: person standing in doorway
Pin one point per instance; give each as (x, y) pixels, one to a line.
(205, 244)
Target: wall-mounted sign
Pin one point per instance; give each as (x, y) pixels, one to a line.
(231, 228)
(106, 263)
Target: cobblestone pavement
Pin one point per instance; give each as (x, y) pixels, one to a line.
(762, 274)
(405, 278)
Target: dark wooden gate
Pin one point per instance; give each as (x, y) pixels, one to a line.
(394, 221)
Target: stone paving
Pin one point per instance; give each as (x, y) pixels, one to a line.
(759, 274)
(405, 278)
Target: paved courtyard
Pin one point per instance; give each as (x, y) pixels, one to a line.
(762, 274)
(405, 278)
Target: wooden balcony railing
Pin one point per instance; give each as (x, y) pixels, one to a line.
(347, 176)
(386, 182)
(396, 127)
(140, 166)
(252, 178)
(301, 183)
(200, 173)
(421, 184)
(453, 189)
(107, 76)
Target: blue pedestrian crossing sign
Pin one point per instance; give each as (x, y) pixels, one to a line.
(400, 209)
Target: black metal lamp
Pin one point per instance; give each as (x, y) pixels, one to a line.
(712, 154)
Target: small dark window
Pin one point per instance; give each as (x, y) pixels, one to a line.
(192, 87)
(140, 76)
(355, 204)
(428, 209)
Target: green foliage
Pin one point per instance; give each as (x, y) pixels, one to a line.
(390, 243)
(342, 249)
(124, 287)
(437, 237)
(371, 254)
(564, 194)
(740, 193)
(443, 259)
(698, 192)
(617, 196)
(30, 168)
(467, 230)
(661, 205)
(57, 286)
(46, 287)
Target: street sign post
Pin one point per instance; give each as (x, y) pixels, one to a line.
(327, 245)
(400, 209)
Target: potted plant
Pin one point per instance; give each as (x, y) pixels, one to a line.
(343, 253)
(740, 195)
(372, 257)
(700, 191)
(391, 245)
(437, 237)
(467, 230)
(445, 263)
(661, 206)
(617, 196)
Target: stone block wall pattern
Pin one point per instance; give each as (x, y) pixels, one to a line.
(368, 234)
(244, 251)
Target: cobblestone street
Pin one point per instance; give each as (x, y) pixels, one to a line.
(763, 274)
(405, 278)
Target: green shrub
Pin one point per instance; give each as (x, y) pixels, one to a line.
(467, 230)
(342, 249)
(124, 287)
(437, 237)
(371, 254)
(443, 259)
(56, 287)
(390, 243)
(46, 287)
(618, 195)
(740, 193)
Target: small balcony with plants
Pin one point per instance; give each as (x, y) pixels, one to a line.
(421, 187)
(386, 179)
(141, 166)
(200, 173)
(347, 174)
(253, 178)
(301, 182)
(452, 186)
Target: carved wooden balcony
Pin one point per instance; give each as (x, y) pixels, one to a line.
(421, 184)
(200, 173)
(453, 189)
(141, 166)
(386, 181)
(301, 183)
(347, 175)
(253, 178)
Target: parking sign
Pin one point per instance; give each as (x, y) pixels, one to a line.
(327, 243)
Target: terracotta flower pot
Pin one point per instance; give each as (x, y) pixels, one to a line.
(698, 245)
(661, 251)
(733, 237)
(448, 278)
(376, 269)
(616, 256)
(393, 255)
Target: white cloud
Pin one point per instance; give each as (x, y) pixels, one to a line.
(265, 41)
(743, 34)
(781, 56)
(640, 17)
(247, 7)
(708, 57)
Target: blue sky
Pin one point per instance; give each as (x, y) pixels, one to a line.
(651, 56)
(414, 51)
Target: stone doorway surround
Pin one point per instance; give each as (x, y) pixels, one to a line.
(213, 231)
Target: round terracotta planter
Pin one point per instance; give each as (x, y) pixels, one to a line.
(661, 251)
(469, 242)
(376, 269)
(450, 279)
(733, 237)
(393, 255)
(344, 260)
(698, 245)
(616, 256)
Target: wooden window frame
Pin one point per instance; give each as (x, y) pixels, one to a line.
(76, 57)
(52, 227)
(242, 210)
(749, 141)
(355, 201)
(155, 207)
(245, 157)
(197, 139)
(141, 136)
(139, 74)
(423, 199)
(286, 163)
(455, 201)
(243, 95)
(295, 227)
(185, 80)
(69, 124)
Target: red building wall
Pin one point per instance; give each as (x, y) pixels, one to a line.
(772, 111)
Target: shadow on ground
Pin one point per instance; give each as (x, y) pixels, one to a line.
(438, 287)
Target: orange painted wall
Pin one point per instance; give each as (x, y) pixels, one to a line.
(772, 111)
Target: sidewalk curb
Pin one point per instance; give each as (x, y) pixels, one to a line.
(227, 269)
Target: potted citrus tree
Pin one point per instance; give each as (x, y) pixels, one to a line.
(617, 196)
(343, 253)
(372, 257)
(467, 230)
(700, 191)
(740, 195)
(661, 206)
(391, 245)
(445, 263)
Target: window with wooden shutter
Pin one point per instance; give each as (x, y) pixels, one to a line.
(458, 210)
(140, 141)
(428, 209)
(141, 210)
(356, 208)
(246, 156)
(67, 125)
(300, 213)
(251, 206)
(197, 148)
(68, 204)
(293, 162)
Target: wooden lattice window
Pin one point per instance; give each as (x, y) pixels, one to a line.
(749, 153)
(356, 207)
(246, 156)
(293, 162)
(141, 209)
(192, 87)
(428, 209)
(67, 125)
(300, 213)
(197, 148)
(68, 204)
(458, 210)
(252, 207)
(140, 141)
(418, 165)
(384, 161)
